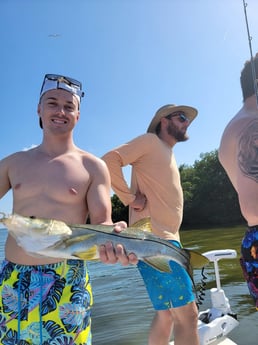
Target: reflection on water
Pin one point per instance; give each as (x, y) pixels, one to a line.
(122, 312)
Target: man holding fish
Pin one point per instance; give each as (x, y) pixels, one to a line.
(156, 192)
(48, 300)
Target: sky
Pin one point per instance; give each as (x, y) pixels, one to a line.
(132, 57)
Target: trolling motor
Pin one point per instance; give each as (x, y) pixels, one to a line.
(216, 322)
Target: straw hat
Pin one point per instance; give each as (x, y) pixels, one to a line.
(168, 109)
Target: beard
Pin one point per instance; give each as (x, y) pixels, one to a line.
(175, 132)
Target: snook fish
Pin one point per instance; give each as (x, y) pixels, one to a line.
(53, 238)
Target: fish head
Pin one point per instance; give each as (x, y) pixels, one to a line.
(35, 234)
(19, 225)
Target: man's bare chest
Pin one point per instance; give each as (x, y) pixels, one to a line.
(52, 178)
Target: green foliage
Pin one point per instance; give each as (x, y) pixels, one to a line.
(209, 197)
(119, 211)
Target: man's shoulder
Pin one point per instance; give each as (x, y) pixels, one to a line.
(239, 121)
(14, 156)
(88, 155)
(243, 124)
(91, 160)
(148, 137)
(144, 142)
(14, 160)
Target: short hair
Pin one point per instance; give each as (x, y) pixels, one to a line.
(247, 79)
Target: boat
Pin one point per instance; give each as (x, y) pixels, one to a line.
(216, 322)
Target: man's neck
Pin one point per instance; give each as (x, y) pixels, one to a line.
(251, 103)
(56, 146)
(168, 139)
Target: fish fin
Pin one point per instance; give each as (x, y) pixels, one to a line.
(197, 260)
(89, 255)
(160, 264)
(143, 224)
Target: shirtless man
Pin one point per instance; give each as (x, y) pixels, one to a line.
(238, 154)
(44, 300)
(156, 192)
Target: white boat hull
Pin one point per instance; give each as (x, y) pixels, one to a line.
(225, 341)
(215, 332)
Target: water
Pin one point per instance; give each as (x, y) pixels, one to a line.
(122, 312)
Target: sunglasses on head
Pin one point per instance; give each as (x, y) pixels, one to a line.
(181, 116)
(74, 84)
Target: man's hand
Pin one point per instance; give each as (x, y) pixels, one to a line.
(110, 255)
(139, 202)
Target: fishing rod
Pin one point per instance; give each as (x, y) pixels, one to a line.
(251, 53)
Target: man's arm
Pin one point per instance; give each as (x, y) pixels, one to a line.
(128, 154)
(5, 185)
(100, 208)
(98, 195)
(119, 184)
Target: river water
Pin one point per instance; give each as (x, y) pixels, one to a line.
(122, 312)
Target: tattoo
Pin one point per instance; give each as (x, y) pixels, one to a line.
(248, 151)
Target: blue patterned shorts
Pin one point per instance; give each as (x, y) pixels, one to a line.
(45, 304)
(249, 261)
(167, 290)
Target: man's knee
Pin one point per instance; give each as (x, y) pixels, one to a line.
(187, 314)
(165, 315)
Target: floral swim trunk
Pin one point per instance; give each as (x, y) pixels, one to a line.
(45, 304)
(167, 290)
(249, 261)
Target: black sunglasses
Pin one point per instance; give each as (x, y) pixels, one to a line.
(181, 116)
(77, 85)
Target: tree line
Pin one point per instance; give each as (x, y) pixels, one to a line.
(209, 197)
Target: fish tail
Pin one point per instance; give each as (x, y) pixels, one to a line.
(197, 260)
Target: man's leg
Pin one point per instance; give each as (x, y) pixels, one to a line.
(186, 325)
(161, 328)
(183, 320)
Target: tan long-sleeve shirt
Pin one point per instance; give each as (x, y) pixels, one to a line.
(155, 174)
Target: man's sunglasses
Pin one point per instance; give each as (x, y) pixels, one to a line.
(73, 83)
(181, 116)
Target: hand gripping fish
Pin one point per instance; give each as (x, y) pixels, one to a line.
(53, 238)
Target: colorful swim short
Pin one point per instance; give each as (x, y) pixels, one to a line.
(48, 304)
(167, 290)
(249, 261)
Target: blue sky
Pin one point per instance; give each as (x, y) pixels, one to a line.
(132, 57)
